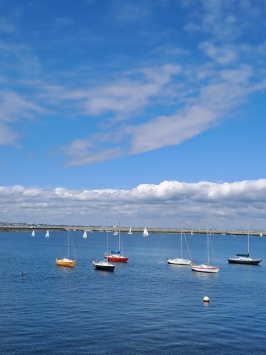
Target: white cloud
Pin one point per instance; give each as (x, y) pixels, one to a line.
(7, 136)
(210, 101)
(151, 107)
(168, 204)
(221, 54)
(14, 107)
(128, 95)
(172, 130)
(225, 20)
(129, 13)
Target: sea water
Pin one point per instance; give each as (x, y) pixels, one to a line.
(144, 307)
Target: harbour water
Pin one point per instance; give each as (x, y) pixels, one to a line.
(144, 307)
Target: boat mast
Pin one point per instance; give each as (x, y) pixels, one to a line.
(68, 238)
(248, 237)
(181, 240)
(68, 245)
(107, 235)
(208, 243)
(119, 235)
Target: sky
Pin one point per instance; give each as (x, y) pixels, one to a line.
(151, 110)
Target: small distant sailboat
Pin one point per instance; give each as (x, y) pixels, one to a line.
(130, 231)
(181, 260)
(206, 267)
(47, 234)
(115, 231)
(244, 258)
(84, 235)
(145, 232)
(66, 261)
(33, 233)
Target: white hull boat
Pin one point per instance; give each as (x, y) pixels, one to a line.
(181, 260)
(205, 268)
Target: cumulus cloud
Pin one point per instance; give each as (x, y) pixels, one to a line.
(168, 204)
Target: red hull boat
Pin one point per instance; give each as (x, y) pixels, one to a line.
(117, 258)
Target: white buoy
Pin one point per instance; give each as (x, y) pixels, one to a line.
(206, 299)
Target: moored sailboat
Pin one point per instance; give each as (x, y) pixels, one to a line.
(244, 259)
(205, 267)
(104, 264)
(115, 255)
(180, 260)
(66, 261)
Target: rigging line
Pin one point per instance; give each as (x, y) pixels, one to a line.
(187, 247)
(72, 241)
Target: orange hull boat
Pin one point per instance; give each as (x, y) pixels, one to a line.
(65, 262)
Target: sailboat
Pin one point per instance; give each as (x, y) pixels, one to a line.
(104, 264)
(116, 255)
(181, 260)
(33, 233)
(66, 261)
(244, 258)
(84, 235)
(130, 231)
(145, 232)
(47, 234)
(115, 231)
(206, 267)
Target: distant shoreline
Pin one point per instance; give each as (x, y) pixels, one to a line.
(137, 230)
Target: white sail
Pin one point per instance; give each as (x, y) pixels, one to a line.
(130, 231)
(33, 234)
(84, 235)
(115, 230)
(145, 232)
(47, 234)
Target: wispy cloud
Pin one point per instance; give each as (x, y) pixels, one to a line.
(138, 108)
(221, 54)
(5, 26)
(172, 130)
(195, 111)
(224, 20)
(14, 108)
(130, 13)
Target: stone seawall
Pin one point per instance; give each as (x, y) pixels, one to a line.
(136, 230)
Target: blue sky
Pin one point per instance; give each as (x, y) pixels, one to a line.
(153, 110)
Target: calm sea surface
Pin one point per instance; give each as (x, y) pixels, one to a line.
(144, 307)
